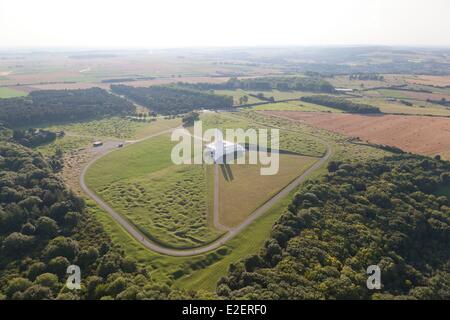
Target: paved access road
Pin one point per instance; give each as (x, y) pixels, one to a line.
(149, 244)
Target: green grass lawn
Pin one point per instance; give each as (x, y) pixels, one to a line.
(6, 92)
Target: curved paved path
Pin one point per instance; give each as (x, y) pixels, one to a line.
(149, 244)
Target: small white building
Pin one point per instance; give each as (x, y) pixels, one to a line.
(218, 150)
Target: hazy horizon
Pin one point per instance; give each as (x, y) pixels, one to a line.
(206, 24)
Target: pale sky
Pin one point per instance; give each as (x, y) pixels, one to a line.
(188, 23)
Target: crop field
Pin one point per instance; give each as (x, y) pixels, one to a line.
(344, 81)
(295, 106)
(404, 94)
(6, 92)
(116, 127)
(396, 107)
(417, 134)
(237, 94)
(439, 81)
(242, 189)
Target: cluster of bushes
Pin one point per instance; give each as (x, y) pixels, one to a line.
(62, 105)
(312, 84)
(44, 228)
(169, 100)
(386, 212)
(190, 118)
(262, 97)
(33, 137)
(341, 103)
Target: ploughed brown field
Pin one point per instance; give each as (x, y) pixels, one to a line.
(417, 134)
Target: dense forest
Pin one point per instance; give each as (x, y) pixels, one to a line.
(169, 100)
(341, 103)
(44, 228)
(312, 84)
(62, 105)
(388, 212)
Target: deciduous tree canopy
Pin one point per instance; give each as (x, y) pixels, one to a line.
(61, 105)
(386, 212)
(168, 100)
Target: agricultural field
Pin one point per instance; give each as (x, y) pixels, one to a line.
(397, 107)
(405, 94)
(344, 81)
(295, 106)
(6, 92)
(417, 134)
(428, 80)
(237, 94)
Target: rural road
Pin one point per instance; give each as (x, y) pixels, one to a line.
(156, 247)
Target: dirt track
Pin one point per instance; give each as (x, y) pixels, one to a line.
(417, 134)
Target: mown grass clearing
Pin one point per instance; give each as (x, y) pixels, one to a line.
(134, 161)
(242, 188)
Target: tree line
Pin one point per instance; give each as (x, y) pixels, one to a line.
(366, 76)
(170, 100)
(312, 84)
(62, 105)
(389, 212)
(341, 103)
